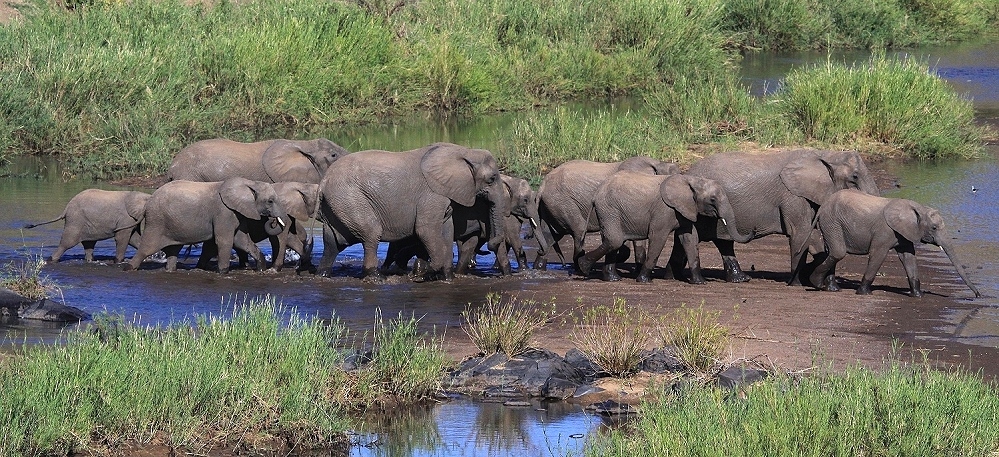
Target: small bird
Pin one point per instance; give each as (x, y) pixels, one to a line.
(974, 189)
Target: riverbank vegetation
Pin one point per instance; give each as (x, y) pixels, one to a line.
(252, 377)
(117, 88)
(902, 409)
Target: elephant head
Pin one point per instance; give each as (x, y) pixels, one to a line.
(644, 164)
(917, 223)
(300, 161)
(815, 175)
(692, 196)
(300, 200)
(523, 204)
(462, 175)
(254, 200)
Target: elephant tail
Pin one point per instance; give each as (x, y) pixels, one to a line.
(804, 245)
(61, 217)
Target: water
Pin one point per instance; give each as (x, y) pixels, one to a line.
(37, 192)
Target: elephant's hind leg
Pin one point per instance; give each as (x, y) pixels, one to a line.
(733, 272)
(88, 250)
(908, 259)
(874, 261)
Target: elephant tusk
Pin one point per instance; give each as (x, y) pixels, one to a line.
(280, 222)
(723, 222)
(534, 223)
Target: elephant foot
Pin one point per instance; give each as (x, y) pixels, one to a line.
(698, 279)
(833, 286)
(915, 293)
(610, 273)
(373, 276)
(644, 276)
(445, 275)
(127, 267)
(864, 289)
(583, 265)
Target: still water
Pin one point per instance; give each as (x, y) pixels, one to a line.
(36, 191)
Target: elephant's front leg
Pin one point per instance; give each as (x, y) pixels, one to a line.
(689, 239)
(733, 272)
(908, 259)
(330, 250)
(874, 261)
(243, 244)
(121, 238)
(438, 238)
(824, 275)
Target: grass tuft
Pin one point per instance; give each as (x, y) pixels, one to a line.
(696, 337)
(505, 325)
(613, 337)
(25, 278)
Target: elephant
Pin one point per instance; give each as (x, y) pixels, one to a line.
(373, 196)
(470, 226)
(187, 212)
(852, 222)
(94, 215)
(566, 199)
(301, 200)
(775, 193)
(639, 206)
(268, 161)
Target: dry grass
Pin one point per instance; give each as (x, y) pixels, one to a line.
(695, 335)
(505, 324)
(613, 337)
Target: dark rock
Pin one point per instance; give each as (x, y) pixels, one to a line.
(559, 388)
(612, 408)
(51, 311)
(356, 360)
(737, 376)
(527, 374)
(577, 359)
(11, 300)
(660, 361)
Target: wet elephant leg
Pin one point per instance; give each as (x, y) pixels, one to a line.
(330, 250)
(88, 250)
(874, 261)
(733, 272)
(121, 238)
(911, 272)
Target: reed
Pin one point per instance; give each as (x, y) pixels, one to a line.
(223, 380)
(902, 409)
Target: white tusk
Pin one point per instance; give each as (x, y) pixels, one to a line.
(280, 222)
(723, 222)
(941, 248)
(534, 223)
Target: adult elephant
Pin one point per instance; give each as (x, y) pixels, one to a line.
(187, 212)
(267, 161)
(774, 193)
(94, 215)
(566, 198)
(636, 206)
(852, 222)
(372, 196)
(301, 201)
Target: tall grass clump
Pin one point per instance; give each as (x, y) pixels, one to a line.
(405, 367)
(224, 380)
(613, 337)
(906, 410)
(25, 278)
(899, 103)
(696, 337)
(505, 324)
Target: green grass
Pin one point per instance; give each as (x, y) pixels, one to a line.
(25, 278)
(505, 324)
(222, 381)
(902, 410)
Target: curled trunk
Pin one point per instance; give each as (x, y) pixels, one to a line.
(274, 226)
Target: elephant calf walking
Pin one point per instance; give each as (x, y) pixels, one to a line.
(853, 222)
(95, 215)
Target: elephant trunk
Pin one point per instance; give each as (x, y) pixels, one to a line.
(534, 218)
(497, 212)
(726, 216)
(274, 226)
(960, 270)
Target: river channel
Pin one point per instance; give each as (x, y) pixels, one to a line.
(965, 192)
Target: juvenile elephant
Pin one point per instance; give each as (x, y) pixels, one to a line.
(186, 212)
(471, 227)
(776, 193)
(95, 215)
(268, 161)
(566, 198)
(300, 200)
(852, 222)
(373, 196)
(636, 206)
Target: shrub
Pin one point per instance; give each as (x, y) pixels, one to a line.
(505, 325)
(695, 336)
(613, 337)
(25, 278)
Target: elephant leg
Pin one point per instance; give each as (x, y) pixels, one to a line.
(503, 258)
(88, 250)
(208, 251)
(171, 256)
(911, 271)
(874, 261)
(733, 272)
(677, 259)
(330, 251)
(370, 270)
(689, 240)
(654, 249)
(798, 259)
(121, 244)
(824, 275)
(245, 246)
(278, 247)
(641, 250)
(466, 255)
(586, 261)
(225, 244)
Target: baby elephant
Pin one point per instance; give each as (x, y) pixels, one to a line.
(636, 206)
(853, 222)
(95, 215)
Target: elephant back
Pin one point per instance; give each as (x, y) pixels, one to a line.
(219, 159)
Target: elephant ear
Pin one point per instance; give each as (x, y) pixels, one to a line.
(677, 192)
(286, 161)
(135, 204)
(238, 195)
(903, 217)
(807, 176)
(299, 199)
(639, 164)
(450, 171)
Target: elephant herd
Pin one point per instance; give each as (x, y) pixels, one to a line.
(229, 195)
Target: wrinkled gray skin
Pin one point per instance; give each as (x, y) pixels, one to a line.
(852, 222)
(95, 215)
(774, 194)
(470, 227)
(566, 199)
(635, 206)
(186, 212)
(268, 161)
(373, 196)
(300, 200)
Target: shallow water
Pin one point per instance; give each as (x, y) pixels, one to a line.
(37, 192)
